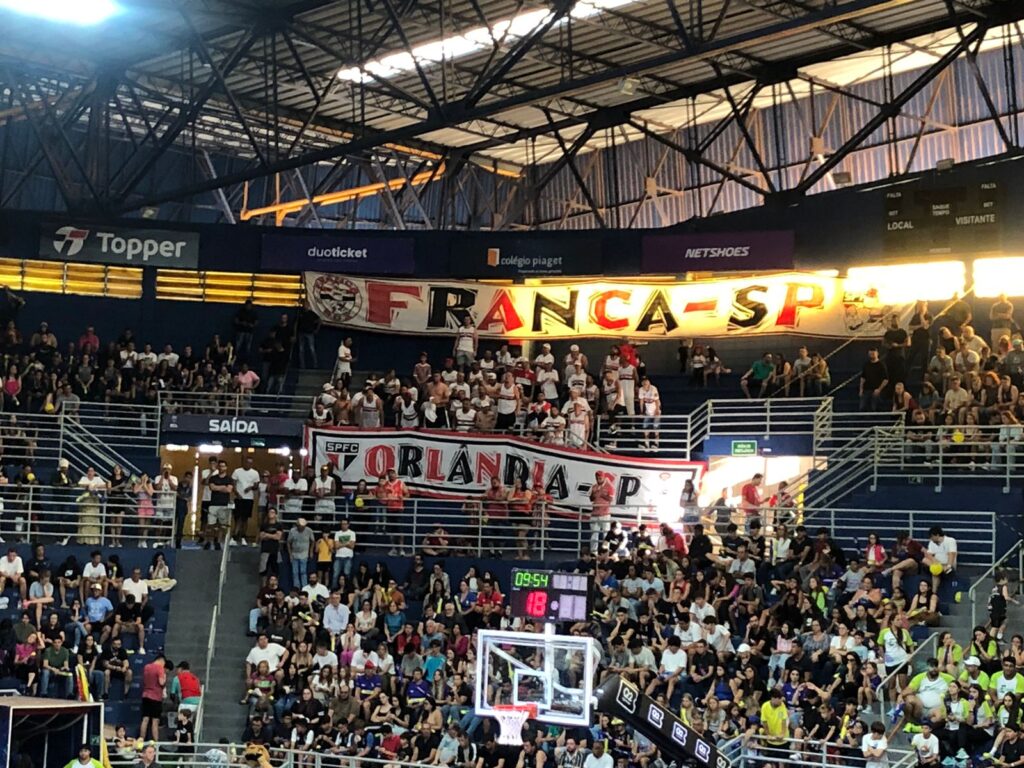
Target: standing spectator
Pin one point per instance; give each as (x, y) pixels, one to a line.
(154, 678)
(344, 552)
(143, 489)
(368, 408)
(324, 491)
(165, 490)
(650, 407)
(222, 490)
(602, 492)
(244, 326)
(271, 534)
(751, 500)
(343, 364)
(186, 688)
(873, 381)
(277, 367)
(300, 549)
(246, 480)
(307, 324)
(1000, 317)
(465, 346)
(182, 501)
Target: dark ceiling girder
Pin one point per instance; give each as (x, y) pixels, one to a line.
(453, 116)
(890, 110)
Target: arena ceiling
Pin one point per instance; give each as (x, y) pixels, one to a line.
(504, 84)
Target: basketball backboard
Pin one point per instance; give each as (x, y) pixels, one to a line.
(554, 672)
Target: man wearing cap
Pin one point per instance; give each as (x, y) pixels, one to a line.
(924, 697)
(973, 674)
(573, 359)
(300, 543)
(84, 759)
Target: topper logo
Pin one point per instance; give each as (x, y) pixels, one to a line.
(240, 426)
(69, 240)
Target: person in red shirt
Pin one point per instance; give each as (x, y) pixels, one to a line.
(601, 494)
(488, 605)
(751, 501)
(154, 678)
(275, 487)
(395, 494)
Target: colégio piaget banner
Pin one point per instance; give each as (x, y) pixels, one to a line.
(811, 304)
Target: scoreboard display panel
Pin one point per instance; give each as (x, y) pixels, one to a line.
(943, 219)
(550, 596)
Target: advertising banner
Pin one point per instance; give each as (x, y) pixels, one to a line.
(328, 252)
(499, 256)
(809, 304)
(717, 252)
(93, 243)
(448, 464)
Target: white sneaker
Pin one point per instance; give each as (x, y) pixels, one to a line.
(230, 542)
(393, 552)
(143, 545)
(244, 542)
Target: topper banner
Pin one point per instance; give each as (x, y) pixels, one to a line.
(810, 304)
(454, 465)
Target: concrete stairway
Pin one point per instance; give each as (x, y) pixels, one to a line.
(222, 714)
(188, 627)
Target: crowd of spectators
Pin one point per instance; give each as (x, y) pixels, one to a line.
(543, 398)
(779, 646)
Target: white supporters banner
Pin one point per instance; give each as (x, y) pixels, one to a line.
(809, 304)
(454, 465)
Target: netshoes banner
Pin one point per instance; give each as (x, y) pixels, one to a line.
(784, 303)
(454, 465)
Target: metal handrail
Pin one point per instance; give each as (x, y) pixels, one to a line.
(102, 455)
(212, 643)
(753, 749)
(167, 753)
(972, 592)
(933, 640)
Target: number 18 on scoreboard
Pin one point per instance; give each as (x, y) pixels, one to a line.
(550, 596)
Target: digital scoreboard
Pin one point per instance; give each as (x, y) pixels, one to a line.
(549, 596)
(943, 219)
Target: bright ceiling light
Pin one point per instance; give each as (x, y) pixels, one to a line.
(81, 12)
(470, 42)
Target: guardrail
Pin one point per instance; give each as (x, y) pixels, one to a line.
(930, 645)
(79, 515)
(200, 755)
(234, 404)
(753, 750)
(972, 593)
(212, 643)
(955, 451)
(120, 426)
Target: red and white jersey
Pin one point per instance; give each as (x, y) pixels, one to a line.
(464, 339)
(627, 374)
(613, 364)
(649, 399)
(465, 420)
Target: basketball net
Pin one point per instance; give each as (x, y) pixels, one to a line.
(511, 718)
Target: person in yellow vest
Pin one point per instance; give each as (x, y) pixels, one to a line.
(84, 759)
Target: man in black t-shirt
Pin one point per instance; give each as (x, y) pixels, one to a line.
(114, 661)
(128, 618)
(222, 491)
(425, 744)
(873, 381)
(271, 534)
